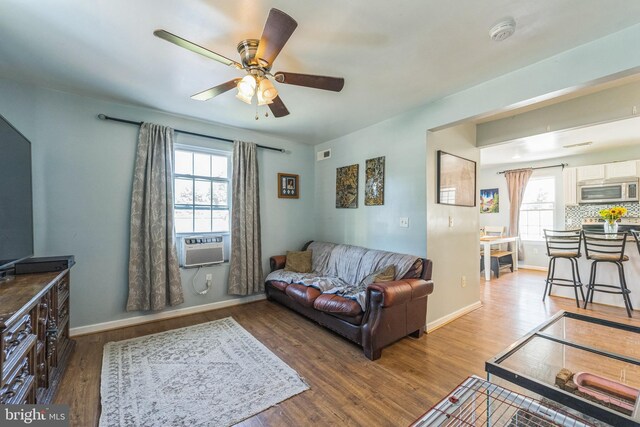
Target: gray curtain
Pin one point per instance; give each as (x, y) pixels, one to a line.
(154, 274)
(245, 269)
(516, 184)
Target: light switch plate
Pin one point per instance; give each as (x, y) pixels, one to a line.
(404, 222)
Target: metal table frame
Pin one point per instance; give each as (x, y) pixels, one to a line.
(493, 367)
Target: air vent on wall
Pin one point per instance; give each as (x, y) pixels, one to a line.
(323, 155)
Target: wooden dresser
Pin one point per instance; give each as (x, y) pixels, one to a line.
(34, 336)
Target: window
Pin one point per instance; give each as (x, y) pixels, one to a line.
(202, 191)
(538, 206)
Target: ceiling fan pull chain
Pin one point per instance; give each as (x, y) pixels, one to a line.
(257, 118)
(266, 113)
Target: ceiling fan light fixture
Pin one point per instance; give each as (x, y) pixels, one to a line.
(247, 86)
(266, 91)
(262, 100)
(242, 97)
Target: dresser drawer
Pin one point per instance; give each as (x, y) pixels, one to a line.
(18, 386)
(16, 340)
(63, 290)
(63, 317)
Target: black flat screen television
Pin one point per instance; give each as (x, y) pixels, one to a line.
(16, 206)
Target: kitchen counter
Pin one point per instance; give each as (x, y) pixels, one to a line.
(607, 274)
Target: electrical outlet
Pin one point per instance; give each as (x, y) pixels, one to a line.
(463, 282)
(209, 277)
(450, 222)
(404, 222)
(535, 251)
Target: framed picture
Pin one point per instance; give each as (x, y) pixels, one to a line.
(489, 200)
(347, 187)
(374, 182)
(288, 186)
(456, 180)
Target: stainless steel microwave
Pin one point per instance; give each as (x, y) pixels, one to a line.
(608, 191)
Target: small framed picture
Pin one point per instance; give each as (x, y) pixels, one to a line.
(288, 186)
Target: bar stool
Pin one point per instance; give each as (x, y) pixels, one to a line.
(607, 247)
(563, 244)
(636, 235)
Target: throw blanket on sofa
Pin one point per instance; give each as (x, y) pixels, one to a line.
(340, 269)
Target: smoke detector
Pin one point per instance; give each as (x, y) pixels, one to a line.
(503, 30)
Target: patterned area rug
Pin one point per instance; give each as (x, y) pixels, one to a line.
(212, 374)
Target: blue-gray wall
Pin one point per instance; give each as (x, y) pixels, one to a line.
(83, 171)
(410, 148)
(376, 227)
(82, 174)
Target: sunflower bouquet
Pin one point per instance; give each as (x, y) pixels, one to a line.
(613, 214)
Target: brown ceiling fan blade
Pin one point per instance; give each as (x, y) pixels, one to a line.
(334, 84)
(186, 44)
(277, 30)
(278, 108)
(215, 91)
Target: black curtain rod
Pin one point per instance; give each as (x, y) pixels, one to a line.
(561, 165)
(131, 122)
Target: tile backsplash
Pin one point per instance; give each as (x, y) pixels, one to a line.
(573, 215)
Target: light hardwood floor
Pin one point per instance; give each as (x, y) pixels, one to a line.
(346, 388)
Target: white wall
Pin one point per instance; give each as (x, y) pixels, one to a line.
(82, 175)
(455, 250)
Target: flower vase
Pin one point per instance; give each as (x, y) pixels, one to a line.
(610, 227)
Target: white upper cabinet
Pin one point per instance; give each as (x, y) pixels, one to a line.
(621, 169)
(586, 173)
(569, 186)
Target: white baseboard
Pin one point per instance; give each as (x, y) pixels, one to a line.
(438, 323)
(137, 320)
(531, 267)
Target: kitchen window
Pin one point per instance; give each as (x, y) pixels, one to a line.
(202, 191)
(538, 208)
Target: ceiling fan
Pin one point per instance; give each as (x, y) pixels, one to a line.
(257, 58)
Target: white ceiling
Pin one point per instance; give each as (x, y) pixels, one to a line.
(604, 136)
(393, 55)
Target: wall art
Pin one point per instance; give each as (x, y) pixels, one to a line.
(288, 186)
(374, 182)
(347, 187)
(456, 180)
(490, 200)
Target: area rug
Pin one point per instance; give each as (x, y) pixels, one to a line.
(212, 374)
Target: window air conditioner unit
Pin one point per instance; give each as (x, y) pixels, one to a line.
(199, 251)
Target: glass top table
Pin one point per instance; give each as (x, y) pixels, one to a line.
(585, 363)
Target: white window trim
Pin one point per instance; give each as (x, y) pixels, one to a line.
(212, 151)
(553, 210)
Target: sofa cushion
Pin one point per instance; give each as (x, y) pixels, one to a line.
(299, 262)
(335, 304)
(304, 295)
(279, 284)
(385, 274)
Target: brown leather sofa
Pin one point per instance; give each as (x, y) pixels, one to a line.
(392, 311)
